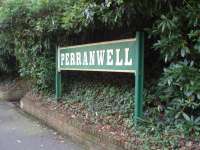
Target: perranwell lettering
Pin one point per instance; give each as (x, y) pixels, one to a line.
(109, 57)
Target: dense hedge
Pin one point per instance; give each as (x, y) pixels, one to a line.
(179, 46)
(30, 30)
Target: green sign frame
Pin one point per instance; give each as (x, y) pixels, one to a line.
(114, 56)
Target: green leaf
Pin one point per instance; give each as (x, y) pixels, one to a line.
(197, 120)
(186, 117)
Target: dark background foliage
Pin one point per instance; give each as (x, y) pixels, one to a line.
(30, 30)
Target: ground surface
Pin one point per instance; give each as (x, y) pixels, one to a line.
(20, 132)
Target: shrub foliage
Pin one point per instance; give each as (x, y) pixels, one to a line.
(179, 46)
(30, 31)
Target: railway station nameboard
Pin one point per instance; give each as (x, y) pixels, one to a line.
(114, 56)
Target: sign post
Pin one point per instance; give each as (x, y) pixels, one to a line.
(58, 76)
(115, 56)
(139, 76)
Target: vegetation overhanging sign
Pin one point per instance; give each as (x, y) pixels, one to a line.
(114, 56)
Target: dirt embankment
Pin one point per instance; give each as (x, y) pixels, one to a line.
(14, 90)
